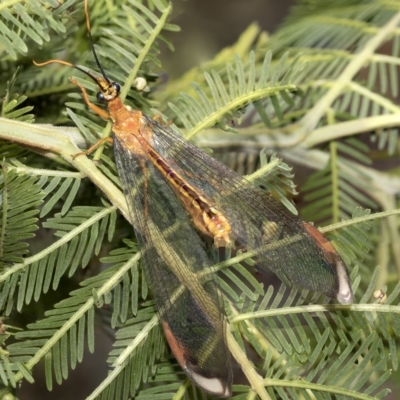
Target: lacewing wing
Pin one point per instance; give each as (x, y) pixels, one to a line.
(173, 209)
(178, 197)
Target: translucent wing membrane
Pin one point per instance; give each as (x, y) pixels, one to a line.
(173, 252)
(181, 199)
(282, 242)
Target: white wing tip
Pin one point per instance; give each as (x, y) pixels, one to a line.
(345, 292)
(214, 386)
(345, 295)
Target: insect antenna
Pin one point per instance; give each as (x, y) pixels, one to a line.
(93, 52)
(89, 32)
(68, 65)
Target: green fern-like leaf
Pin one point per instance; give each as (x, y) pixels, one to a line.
(246, 85)
(11, 102)
(287, 345)
(20, 198)
(127, 375)
(71, 321)
(31, 20)
(307, 92)
(332, 191)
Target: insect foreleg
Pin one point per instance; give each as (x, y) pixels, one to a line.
(97, 110)
(103, 113)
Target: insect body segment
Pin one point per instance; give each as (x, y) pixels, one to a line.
(206, 217)
(131, 129)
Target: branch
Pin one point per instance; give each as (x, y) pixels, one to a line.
(310, 121)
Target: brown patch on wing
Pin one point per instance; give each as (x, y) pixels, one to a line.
(179, 353)
(322, 242)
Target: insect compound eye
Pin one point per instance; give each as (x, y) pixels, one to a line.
(100, 96)
(117, 87)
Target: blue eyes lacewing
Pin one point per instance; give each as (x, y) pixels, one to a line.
(178, 197)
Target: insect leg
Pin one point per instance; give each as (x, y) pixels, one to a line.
(93, 147)
(97, 110)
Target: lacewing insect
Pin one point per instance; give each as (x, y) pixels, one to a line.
(180, 199)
